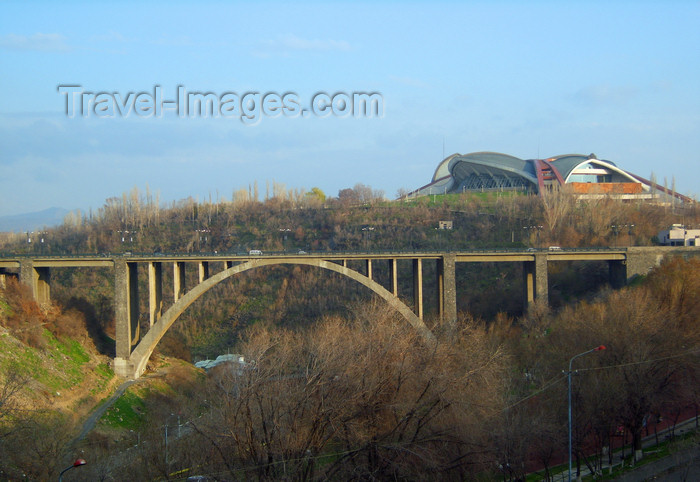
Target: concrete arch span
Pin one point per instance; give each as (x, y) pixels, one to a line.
(140, 355)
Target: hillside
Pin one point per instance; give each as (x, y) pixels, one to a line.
(345, 384)
(358, 219)
(323, 400)
(354, 221)
(53, 348)
(52, 377)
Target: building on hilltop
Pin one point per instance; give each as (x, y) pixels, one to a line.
(587, 176)
(679, 235)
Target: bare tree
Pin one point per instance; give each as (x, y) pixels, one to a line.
(357, 399)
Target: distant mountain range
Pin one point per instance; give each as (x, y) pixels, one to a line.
(32, 221)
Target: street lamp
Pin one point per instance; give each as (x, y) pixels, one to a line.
(127, 235)
(179, 433)
(367, 230)
(284, 232)
(616, 228)
(41, 235)
(598, 348)
(529, 229)
(77, 463)
(203, 236)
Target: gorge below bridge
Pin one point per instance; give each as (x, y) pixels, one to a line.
(133, 350)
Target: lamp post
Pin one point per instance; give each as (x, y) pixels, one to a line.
(284, 232)
(598, 348)
(179, 434)
(630, 232)
(203, 235)
(77, 463)
(616, 228)
(367, 231)
(529, 230)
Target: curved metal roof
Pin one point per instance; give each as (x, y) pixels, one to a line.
(495, 159)
(494, 170)
(491, 163)
(567, 163)
(622, 176)
(443, 168)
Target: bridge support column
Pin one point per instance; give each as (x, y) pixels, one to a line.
(528, 283)
(4, 274)
(228, 264)
(37, 278)
(126, 313)
(394, 277)
(155, 291)
(43, 284)
(203, 270)
(369, 268)
(447, 289)
(418, 286)
(535, 280)
(178, 280)
(617, 274)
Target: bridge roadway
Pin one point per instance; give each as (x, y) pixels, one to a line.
(133, 350)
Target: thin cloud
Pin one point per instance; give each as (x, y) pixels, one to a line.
(112, 36)
(175, 41)
(409, 81)
(605, 94)
(286, 45)
(39, 42)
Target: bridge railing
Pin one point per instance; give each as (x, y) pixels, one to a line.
(312, 254)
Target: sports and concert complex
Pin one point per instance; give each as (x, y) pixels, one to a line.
(586, 176)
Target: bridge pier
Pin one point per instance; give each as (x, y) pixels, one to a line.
(535, 280)
(126, 313)
(418, 286)
(394, 276)
(617, 274)
(3, 277)
(447, 288)
(369, 268)
(155, 291)
(178, 280)
(37, 278)
(203, 270)
(4, 274)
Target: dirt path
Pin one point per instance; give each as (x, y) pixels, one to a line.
(91, 421)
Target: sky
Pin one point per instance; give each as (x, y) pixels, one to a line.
(530, 79)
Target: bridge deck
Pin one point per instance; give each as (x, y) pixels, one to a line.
(107, 260)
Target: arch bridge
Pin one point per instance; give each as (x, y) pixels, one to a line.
(133, 348)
